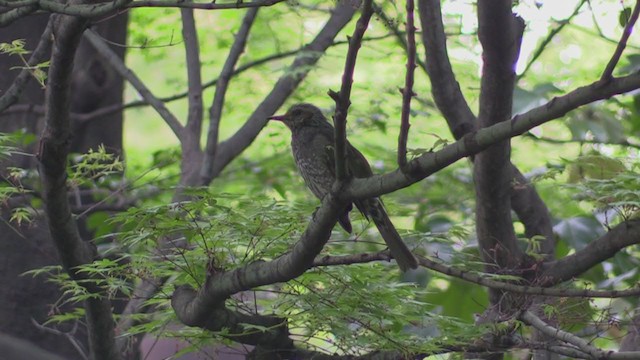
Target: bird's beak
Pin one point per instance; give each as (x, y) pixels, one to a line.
(276, 117)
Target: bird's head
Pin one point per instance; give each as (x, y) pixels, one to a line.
(302, 115)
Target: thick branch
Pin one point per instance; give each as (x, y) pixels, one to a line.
(215, 111)
(194, 309)
(531, 319)
(525, 201)
(53, 154)
(68, 8)
(616, 239)
(6, 18)
(500, 33)
(193, 127)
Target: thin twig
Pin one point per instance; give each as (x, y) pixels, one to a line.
(215, 111)
(608, 71)
(342, 98)
(407, 92)
(552, 34)
(117, 63)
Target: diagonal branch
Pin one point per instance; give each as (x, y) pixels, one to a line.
(215, 111)
(531, 319)
(472, 143)
(608, 71)
(616, 239)
(117, 63)
(195, 307)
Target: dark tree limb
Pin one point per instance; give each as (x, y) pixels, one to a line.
(8, 17)
(407, 91)
(54, 148)
(40, 53)
(500, 33)
(525, 201)
(571, 266)
(194, 308)
(230, 148)
(215, 111)
(343, 98)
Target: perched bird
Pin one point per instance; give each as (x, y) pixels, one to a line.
(312, 143)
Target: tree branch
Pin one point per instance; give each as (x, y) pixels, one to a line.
(343, 98)
(193, 126)
(194, 308)
(608, 71)
(215, 111)
(525, 201)
(531, 319)
(616, 239)
(500, 33)
(472, 143)
(407, 92)
(54, 143)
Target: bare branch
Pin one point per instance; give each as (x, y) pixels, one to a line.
(407, 92)
(215, 111)
(54, 143)
(608, 71)
(6, 18)
(117, 63)
(342, 98)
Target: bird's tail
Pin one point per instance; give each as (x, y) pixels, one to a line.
(399, 250)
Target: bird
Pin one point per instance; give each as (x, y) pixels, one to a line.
(312, 145)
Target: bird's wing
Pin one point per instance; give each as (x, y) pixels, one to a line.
(329, 150)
